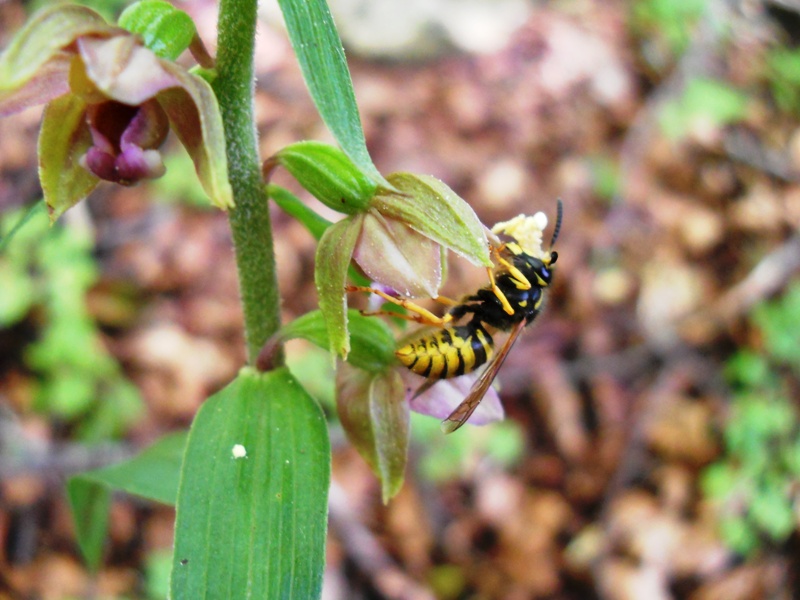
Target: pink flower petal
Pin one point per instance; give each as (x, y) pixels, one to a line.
(395, 255)
(443, 398)
(123, 69)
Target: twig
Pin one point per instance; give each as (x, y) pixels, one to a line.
(750, 151)
(767, 277)
(19, 455)
(367, 553)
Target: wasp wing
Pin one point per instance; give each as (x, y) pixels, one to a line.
(464, 410)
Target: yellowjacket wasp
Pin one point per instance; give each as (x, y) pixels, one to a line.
(511, 301)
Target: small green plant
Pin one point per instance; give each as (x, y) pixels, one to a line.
(45, 276)
(783, 76)
(755, 485)
(666, 26)
(704, 103)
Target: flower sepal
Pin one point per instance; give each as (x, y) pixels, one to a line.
(375, 416)
(428, 206)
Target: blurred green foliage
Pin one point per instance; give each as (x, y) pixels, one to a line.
(704, 103)
(755, 485)
(447, 457)
(158, 565)
(45, 274)
(605, 172)
(665, 27)
(783, 75)
(180, 183)
(110, 9)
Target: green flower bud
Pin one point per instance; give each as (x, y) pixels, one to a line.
(165, 30)
(328, 175)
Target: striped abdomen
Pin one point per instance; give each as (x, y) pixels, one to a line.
(448, 352)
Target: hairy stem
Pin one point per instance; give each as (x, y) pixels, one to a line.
(250, 222)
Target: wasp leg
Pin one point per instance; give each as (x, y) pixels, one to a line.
(446, 301)
(396, 315)
(422, 315)
(499, 293)
(520, 279)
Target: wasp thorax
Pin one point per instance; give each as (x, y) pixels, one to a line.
(527, 232)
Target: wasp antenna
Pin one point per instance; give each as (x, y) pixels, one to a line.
(559, 215)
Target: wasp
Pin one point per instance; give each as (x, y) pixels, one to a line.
(512, 300)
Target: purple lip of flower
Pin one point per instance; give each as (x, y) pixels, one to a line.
(125, 139)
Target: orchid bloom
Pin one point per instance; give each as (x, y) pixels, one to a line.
(110, 102)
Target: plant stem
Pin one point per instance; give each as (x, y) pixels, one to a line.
(250, 221)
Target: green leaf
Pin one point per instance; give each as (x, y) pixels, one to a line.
(166, 30)
(253, 523)
(772, 511)
(153, 474)
(63, 139)
(738, 534)
(33, 212)
(371, 340)
(329, 175)
(89, 504)
(333, 256)
(321, 56)
(430, 207)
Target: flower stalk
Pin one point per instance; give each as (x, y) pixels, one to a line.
(250, 221)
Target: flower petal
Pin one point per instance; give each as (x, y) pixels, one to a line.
(443, 398)
(194, 113)
(123, 69)
(63, 139)
(44, 37)
(395, 255)
(135, 164)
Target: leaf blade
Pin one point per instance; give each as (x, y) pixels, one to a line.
(256, 522)
(321, 55)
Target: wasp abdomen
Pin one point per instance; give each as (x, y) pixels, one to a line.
(448, 352)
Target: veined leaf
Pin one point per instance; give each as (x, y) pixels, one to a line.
(153, 474)
(253, 497)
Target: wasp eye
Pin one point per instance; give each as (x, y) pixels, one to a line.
(553, 257)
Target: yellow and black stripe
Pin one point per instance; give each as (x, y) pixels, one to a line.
(448, 352)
